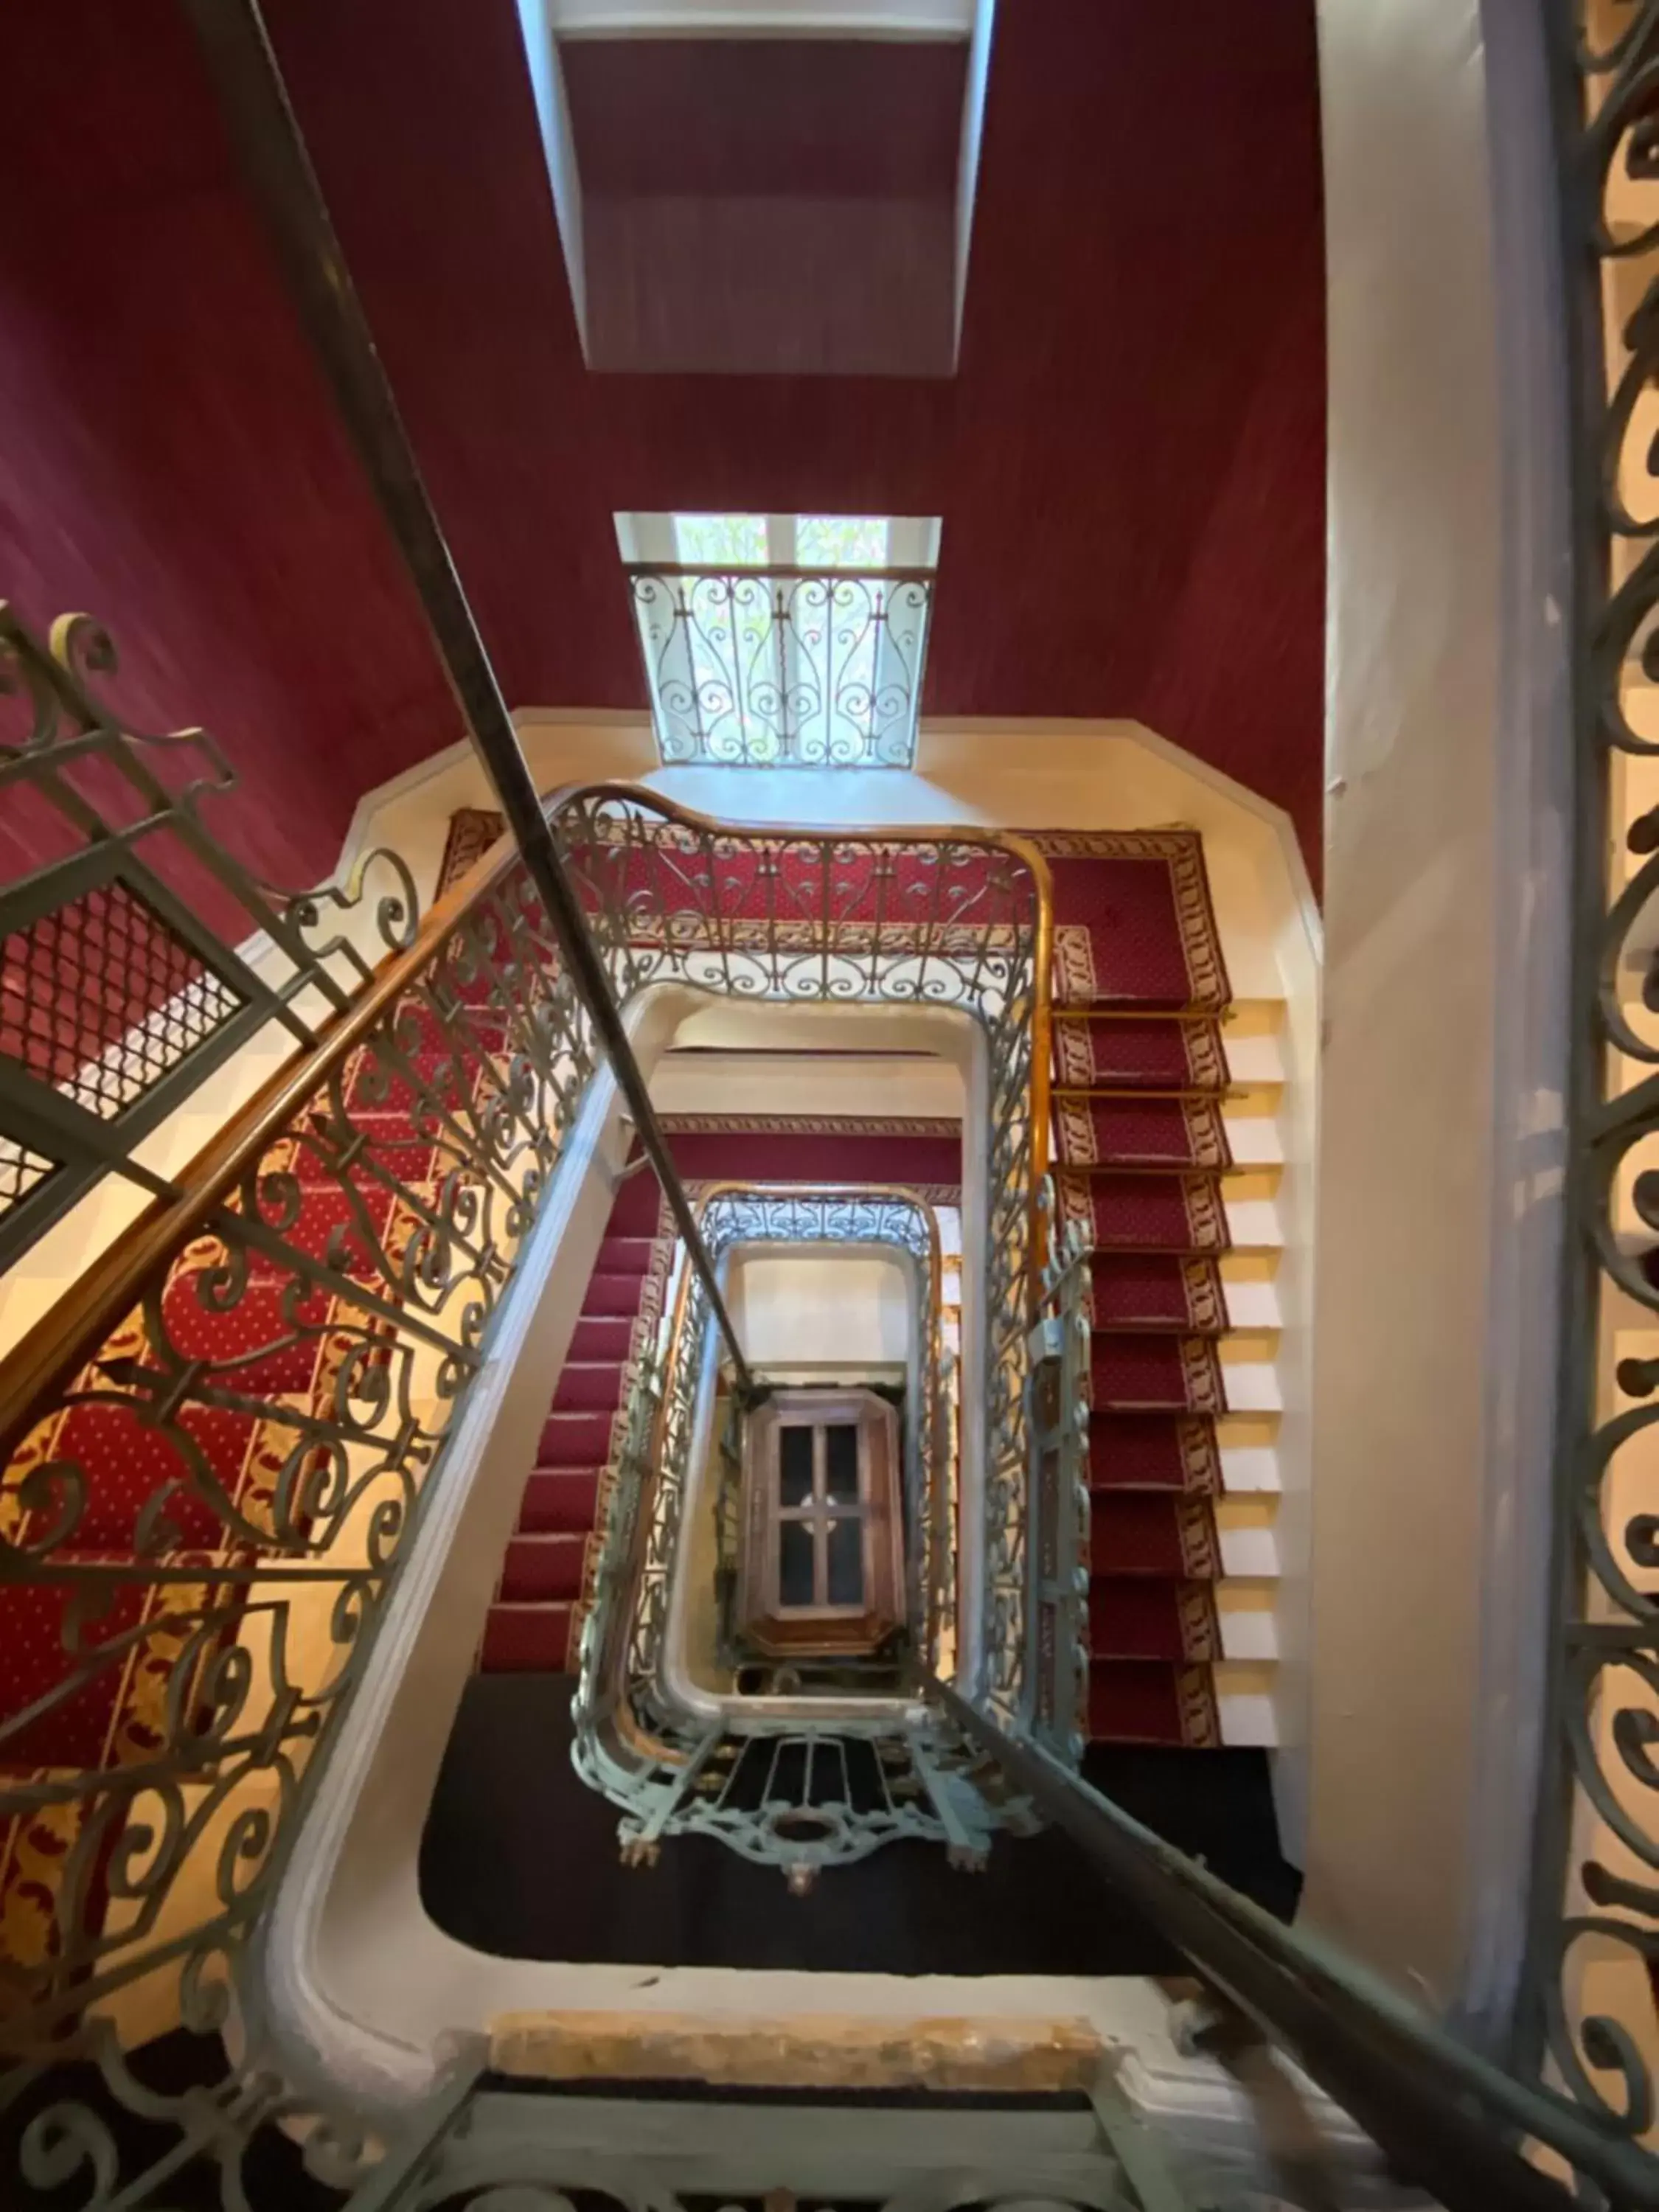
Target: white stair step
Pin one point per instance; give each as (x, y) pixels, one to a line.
(1254, 1140)
(1247, 1631)
(1252, 1388)
(1251, 1554)
(1247, 1717)
(1253, 1224)
(1247, 1468)
(1252, 1305)
(1253, 1058)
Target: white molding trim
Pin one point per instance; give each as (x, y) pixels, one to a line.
(564, 183)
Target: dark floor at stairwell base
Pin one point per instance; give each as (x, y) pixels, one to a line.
(520, 1859)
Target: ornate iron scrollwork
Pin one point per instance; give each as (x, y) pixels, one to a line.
(1595, 1944)
(796, 1795)
(953, 923)
(278, 1396)
(778, 669)
(119, 993)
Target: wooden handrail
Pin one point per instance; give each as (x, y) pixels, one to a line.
(66, 1337)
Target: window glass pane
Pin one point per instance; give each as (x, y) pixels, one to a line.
(795, 1550)
(712, 539)
(841, 541)
(847, 1562)
(841, 1458)
(794, 1466)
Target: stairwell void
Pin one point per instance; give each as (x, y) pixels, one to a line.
(1141, 1082)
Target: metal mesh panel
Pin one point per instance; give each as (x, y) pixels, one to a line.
(102, 998)
(21, 1170)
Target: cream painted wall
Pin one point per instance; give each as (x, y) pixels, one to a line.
(820, 1314)
(1440, 1138)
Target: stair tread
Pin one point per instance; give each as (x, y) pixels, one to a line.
(1156, 1290)
(1152, 1701)
(526, 1639)
(1094, 1131)
(543, 1569)
(1156, 1452)
(1152, 1533)
(575, 1439)
(1140, 1371)
(1151, 1053)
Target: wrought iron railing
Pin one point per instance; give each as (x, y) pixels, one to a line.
(221, 1445)
(1057, 1693)
(121, 992)
(216, 1463)
(786, 1788)
(950, 921)
(1589, 2021)
(784, 668)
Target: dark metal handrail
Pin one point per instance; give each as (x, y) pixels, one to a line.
(1443, 2116)
(272, 147)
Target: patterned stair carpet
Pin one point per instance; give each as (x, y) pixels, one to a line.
(1139, 986)
(547, 1577)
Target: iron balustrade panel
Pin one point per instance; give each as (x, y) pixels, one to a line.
(305, 1325)
(1587, 2022)
(1057, 1691)
(794, 1794)
(783, 668)
(117, 999)
(941, 921)
(200, 1527)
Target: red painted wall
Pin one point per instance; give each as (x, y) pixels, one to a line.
(168, 458)
(1129, 464)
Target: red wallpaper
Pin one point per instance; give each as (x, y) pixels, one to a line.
(1130, 462)
(169, 461)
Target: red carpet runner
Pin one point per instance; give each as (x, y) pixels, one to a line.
(1138, 1076)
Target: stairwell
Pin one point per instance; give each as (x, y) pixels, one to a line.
(1168, 1152)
